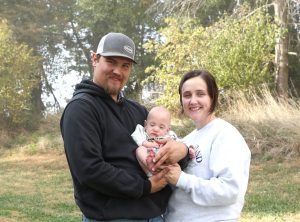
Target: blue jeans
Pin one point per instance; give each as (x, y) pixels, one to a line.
(155, 219)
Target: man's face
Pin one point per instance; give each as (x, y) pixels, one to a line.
(111, 73)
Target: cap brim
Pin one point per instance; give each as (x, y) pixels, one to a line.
(118, 55)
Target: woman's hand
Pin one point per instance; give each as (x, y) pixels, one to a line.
(173, 173)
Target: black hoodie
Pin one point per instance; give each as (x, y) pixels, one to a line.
(108, 181)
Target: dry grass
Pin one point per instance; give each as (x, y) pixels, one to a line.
(270, 218)
(271, 127)
(46, 138)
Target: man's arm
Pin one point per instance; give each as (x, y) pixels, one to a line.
(82, 140)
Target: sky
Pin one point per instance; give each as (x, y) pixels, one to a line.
(63, 88)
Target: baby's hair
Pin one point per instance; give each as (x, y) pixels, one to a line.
(160, 109)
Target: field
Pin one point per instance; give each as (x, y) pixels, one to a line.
(35, 183)
(38, 187)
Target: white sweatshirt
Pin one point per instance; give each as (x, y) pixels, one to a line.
(213, 186)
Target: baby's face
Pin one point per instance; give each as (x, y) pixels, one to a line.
(157, 126)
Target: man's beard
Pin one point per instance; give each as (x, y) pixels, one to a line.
(112, 91)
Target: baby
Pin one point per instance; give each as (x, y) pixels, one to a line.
(156, 128)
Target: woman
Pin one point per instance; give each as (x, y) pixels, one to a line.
(213, 186)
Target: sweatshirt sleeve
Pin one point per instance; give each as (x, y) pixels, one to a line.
(228, 167)
(82, 141)
(139, 135)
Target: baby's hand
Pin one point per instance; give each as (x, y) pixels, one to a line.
(149, 160)
(192, 153)
(162, 140)
(149, 144)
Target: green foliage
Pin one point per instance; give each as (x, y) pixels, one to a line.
(242, 51)
(236, 49)
(18, 76)
(175, 52)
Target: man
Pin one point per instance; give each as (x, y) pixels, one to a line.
(109, 184)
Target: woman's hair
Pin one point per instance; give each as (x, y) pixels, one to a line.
(212, 88)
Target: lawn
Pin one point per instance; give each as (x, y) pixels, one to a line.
(38, 187)
(273, 192)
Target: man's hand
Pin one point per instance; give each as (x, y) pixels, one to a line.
(158, 181)
(169, 153)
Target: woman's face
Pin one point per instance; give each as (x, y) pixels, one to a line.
(196, 101)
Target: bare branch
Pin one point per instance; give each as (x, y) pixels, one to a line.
(178, 7)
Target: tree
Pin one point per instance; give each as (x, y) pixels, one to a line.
(281, 49)
(40, 24)
(18, 77)
(188, 45)
(76, 27)
(285, 12)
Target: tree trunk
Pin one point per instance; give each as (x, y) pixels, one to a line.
(37, 105)
(281, 49)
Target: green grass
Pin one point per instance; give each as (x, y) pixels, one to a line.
(273, 192)
(38, 188)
